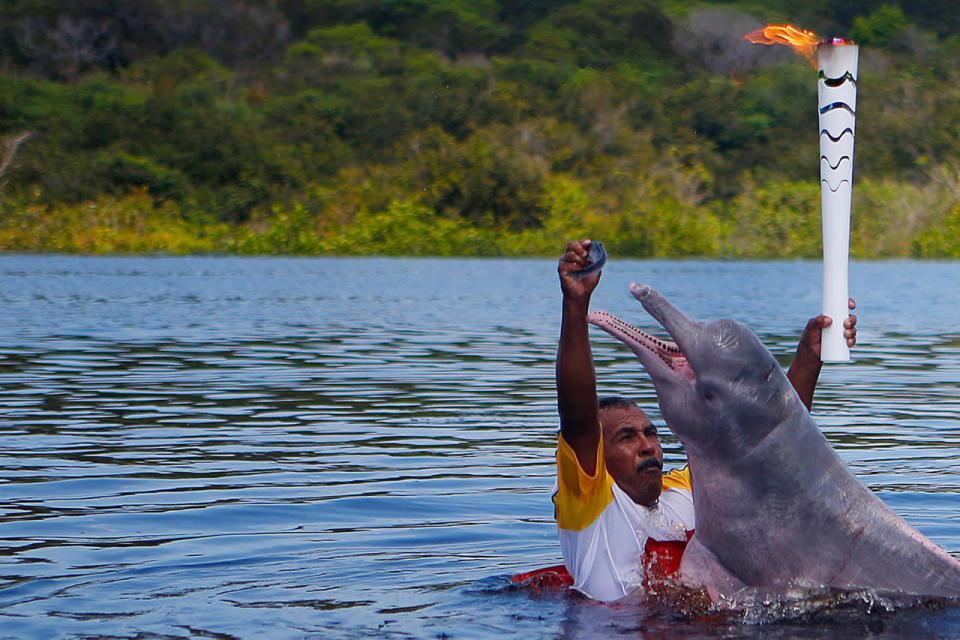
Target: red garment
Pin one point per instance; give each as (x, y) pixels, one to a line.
(661, 560)
(550, 577)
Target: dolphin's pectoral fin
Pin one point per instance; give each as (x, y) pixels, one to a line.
(701, 568)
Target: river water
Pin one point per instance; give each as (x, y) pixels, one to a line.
(225, 447)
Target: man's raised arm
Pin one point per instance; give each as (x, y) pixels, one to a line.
(576, 379)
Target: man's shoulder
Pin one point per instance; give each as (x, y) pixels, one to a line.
(678, 479)
(580, 498)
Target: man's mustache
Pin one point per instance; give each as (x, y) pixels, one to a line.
(649, 462)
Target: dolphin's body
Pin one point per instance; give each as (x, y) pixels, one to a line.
(776, 507)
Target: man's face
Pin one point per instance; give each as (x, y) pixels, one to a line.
(632, 453)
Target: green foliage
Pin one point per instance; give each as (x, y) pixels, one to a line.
(348, 50)
(462, 126)
(941, 241)
(405, 228)
(128, 224)
(880, 27)
(600, 34)
(302, 127)
(452, 26)
(776, 220)
(291, 230)
(183, 65)
(119, 169)
(888, 215)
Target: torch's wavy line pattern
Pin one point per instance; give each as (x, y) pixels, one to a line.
(837, 139)
(834, 151)
(836, 82)
(825, 182)
(838, 105)
(833, 167)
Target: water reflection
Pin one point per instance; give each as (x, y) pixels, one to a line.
(358, 447)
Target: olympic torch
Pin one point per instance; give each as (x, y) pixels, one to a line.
(836, 62)
(837, 97)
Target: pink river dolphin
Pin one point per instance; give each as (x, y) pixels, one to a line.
(776, 507)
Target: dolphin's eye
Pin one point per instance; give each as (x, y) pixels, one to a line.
(708, 392)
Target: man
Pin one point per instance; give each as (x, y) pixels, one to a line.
(619, 516)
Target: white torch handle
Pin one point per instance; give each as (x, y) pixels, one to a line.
(836, 260)
(837, 97)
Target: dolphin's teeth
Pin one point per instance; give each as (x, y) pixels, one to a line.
(663, 350)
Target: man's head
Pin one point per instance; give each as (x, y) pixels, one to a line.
(631, 449)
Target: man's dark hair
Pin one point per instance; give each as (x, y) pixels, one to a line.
(616, 402)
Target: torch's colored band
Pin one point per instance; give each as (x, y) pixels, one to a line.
(836, 82)
(837, 105)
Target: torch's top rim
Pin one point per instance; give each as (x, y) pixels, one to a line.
(840, 41)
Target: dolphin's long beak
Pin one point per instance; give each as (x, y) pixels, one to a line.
(661, 358)
(679, 326)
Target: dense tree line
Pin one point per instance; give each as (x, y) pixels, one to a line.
(464, 126)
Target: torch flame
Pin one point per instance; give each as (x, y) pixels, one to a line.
(803, 42)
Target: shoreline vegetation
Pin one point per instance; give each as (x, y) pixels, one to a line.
(465, 128)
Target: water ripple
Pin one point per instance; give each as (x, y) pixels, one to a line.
(354, 444)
